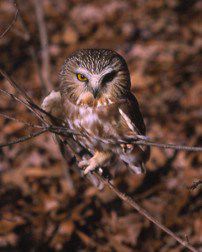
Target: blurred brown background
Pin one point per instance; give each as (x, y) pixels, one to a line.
(44, 209)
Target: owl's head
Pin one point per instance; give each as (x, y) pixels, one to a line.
(90, 75)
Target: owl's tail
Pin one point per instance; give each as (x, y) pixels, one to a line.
(136, 159)
(138, 164)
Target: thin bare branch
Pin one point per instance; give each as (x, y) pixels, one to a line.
(14, 97)
(169, 146)
(64, 130)
(21, 121)
(53, 129)
(16, 86)
(23, 139)
(44, 44)
(10, 25)
(30, 104)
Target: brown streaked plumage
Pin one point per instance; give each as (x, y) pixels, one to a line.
(97, 102)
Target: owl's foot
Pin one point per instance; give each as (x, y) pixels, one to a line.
(98, 160)
(89, 165)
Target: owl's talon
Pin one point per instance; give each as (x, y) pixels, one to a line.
(83, 163)
(89, 169)
(99, 159)
(88, 165)
(92, 165)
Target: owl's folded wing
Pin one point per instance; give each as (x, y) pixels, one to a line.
(131, 118)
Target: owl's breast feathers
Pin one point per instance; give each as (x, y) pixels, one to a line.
(103, 127)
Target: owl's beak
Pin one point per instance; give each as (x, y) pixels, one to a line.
(95, 92)
(95, 85)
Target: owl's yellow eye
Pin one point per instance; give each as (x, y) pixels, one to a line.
(81, 77)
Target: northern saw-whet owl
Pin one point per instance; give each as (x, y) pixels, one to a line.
(98, 104)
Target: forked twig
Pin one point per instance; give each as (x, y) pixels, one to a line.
(23, 139)
(16, 86)
(30, 104)
(14, 97)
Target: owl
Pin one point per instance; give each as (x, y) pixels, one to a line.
(96, 102)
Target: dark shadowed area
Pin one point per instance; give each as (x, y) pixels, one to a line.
(44, 205)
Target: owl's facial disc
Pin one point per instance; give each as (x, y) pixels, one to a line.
(96, 83)
(94, 74)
